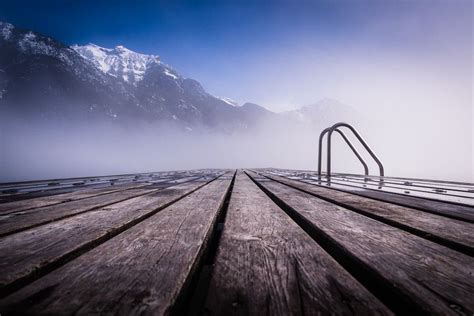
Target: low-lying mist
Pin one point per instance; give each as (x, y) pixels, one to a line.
(43, 150)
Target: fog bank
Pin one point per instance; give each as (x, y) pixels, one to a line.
(42, 150)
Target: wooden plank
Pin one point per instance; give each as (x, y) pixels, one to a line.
(312, 172)
(464, 199)
(91, 179)
(425, 276)
(441, 182)
(406, 184)
(27, 204)
(451, 210)
(266, 264)
(35, 251)
(33, 182)
(19, 221)
(424, 192)
(45, 190)
(140, 271)
(30, 190)
(452, 233)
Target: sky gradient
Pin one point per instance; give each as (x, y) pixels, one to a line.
(281, 54)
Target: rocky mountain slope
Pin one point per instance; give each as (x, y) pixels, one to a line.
(42, 78)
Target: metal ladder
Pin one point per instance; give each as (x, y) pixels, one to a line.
(335, 128)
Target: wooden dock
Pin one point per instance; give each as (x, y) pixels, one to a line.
(245, 242)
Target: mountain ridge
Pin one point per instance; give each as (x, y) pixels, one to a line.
(42, 77)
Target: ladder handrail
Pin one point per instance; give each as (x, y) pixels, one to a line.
(348, 142)
(330, 130)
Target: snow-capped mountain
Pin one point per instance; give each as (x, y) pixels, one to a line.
(41, 77)
(121, 62)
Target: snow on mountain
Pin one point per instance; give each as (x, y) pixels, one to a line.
(31, 43)
(121, 62)
(6, 30)
(170, 74)
(42, 77)
(228, 101)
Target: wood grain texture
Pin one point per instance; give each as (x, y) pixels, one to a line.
(266, 264)
(429, 193)
(456, 211)
(450, 232)
(434, 278)
(29, 253)
(141, 271)
(451, 210)
(28, 204)
(18, 221)
(29, 190)
(423, 186)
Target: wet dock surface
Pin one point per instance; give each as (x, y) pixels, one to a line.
(245, 242)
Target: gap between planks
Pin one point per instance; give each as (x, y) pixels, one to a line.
(448, 209)
(266, 264)
(17, 222)
(35, 252)
(142, 270)
(408, 273)
(37, 202)
(455, 234)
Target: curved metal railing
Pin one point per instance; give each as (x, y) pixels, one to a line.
(348, 142)
(335, 127)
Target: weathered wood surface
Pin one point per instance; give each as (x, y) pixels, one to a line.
(268, 265)
(91, 180)
(456, 211)
(406, 183)
(79, 194)
(34, 252)
(418, 180)
(288, 247)
(455, 234)
(36, 189)
(417, 275)
(426, 191)
(28, 204)
(458, 187)
(452, 210)
(18, 221)
(141, 271)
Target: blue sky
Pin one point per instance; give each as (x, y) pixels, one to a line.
(281, 54)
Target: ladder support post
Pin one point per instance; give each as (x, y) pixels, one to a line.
(328, 162)
(329, 131)
(320, 151)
